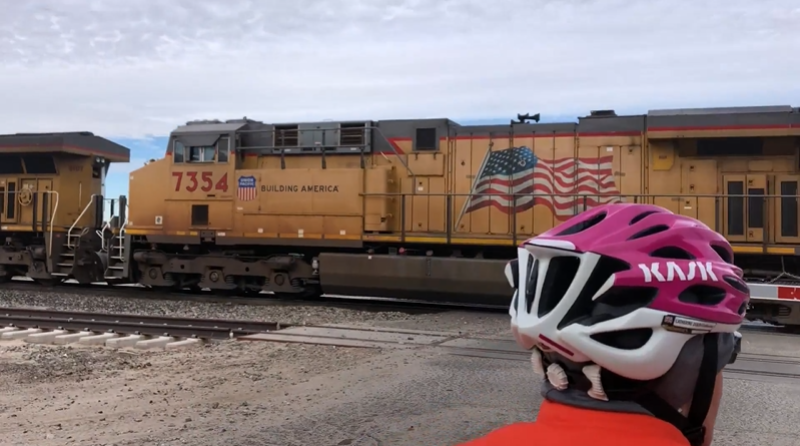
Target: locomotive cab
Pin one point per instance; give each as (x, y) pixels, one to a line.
(52, 205)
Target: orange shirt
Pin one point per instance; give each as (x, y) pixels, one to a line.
(560, 425)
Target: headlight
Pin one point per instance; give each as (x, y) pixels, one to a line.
(512, 273)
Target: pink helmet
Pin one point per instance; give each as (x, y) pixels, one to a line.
(625, 286)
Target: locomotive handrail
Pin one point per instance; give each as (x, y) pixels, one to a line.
(69, 232)
(466, 194)
(445, 223)
(107, 225)
(100, 233)
(49, 248)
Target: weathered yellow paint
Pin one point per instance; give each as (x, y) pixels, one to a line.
(69, 193)
(424, 195)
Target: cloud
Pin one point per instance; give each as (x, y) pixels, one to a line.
(131, 69)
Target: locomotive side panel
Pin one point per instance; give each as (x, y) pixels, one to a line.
(148, 188)
(725, 167)
(303, 203)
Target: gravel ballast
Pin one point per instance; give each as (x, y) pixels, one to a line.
(94, 302)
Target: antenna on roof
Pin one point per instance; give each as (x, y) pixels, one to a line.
(523, 119)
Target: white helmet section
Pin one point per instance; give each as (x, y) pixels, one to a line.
(574, 341)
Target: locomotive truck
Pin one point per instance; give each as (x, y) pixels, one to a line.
(428, 208)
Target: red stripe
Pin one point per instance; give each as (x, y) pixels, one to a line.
(788, 293)
(589, 202)
(561, 186)
(721, 127)
(547, 195)
(556, 345)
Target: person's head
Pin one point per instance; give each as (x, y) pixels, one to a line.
(631, 303)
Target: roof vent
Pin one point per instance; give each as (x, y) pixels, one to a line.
(602, 113)
(204, 121)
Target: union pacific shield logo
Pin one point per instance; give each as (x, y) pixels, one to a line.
(247, 188)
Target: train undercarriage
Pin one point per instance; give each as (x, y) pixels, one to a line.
(466, 275)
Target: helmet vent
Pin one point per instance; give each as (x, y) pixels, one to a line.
(560, 273)
(672, 252)
(625, 339)
(619, 301)
(533, 279)
(724, 253)
(515, 302)
(583, 225)
(641, 216)
(702, 295)
(742, 308)
(649, 231)
(583, 306)
(737, 283)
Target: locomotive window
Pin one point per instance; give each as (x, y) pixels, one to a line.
(199, 215)
(730, 146)
(178, 152)
(425, 140)
(223, 147)
(755, 208)
(789, 209)
(2, 200)
(202, 154)
(39, 164)
(12, 199)
(735, 208)
(10, 164)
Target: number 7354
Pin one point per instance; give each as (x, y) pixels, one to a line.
(200, 180)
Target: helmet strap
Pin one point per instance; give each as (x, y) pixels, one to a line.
(691, 425)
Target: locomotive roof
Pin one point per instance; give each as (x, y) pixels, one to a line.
(772, 116)
(77, 143)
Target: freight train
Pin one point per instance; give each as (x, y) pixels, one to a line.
(406, 208)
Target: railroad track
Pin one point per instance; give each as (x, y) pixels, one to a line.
(46, 326)
(373, 304)
(765, 366)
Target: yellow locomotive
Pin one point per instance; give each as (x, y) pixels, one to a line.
(52, 206)
(422, 208)
(427, 207)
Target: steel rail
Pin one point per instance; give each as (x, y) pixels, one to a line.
(371, 304)
(133, 324)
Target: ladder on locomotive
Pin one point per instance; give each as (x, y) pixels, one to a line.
(113, 246)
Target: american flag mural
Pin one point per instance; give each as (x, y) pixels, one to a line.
(552, 183)
(246, 190)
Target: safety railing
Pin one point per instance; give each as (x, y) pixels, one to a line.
(77, 220)
(49, 248)
(37, 208)
(751, 219)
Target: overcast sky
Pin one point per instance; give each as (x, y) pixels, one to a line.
(132, 68)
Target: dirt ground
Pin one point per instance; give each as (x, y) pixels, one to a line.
(237, 393)
(55, 395)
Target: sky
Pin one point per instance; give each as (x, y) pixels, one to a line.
(132, 71)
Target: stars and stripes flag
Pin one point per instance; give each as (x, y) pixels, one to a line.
(552, 183)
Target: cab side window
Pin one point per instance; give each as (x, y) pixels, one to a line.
(223, 149)
(218, 153)
(202, 154)
(178, 152)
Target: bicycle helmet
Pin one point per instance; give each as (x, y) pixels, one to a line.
(622, 288)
